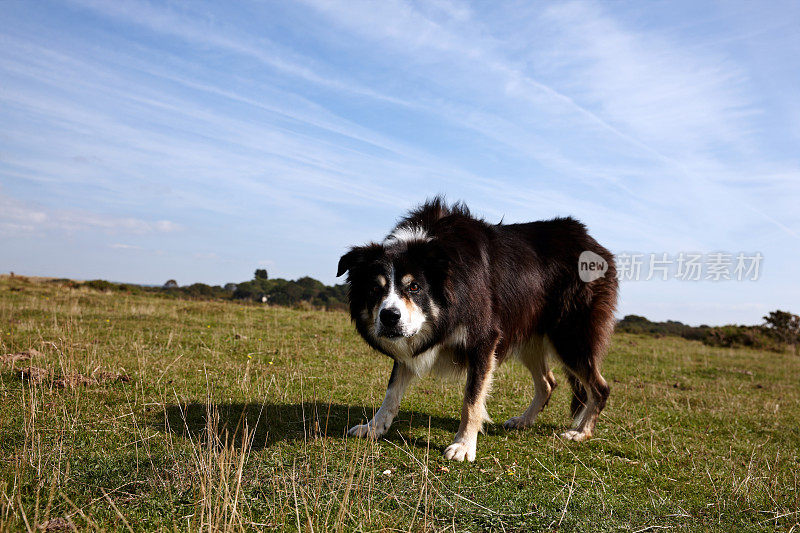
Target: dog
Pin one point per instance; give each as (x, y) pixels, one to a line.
(447, 292)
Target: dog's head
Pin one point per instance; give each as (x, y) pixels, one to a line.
(396, 293)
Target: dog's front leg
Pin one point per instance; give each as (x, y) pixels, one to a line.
(399, 381)
(473, 411)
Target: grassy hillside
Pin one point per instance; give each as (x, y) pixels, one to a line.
(142, 412)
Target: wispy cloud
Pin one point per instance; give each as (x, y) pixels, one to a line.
(17, 216)
(662, 107)
(202, 33)
(665, 93)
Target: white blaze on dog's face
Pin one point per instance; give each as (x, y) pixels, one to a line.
(397, 313)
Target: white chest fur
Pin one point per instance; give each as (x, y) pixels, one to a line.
(440, 360)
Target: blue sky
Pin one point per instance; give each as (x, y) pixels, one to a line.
(198, 141)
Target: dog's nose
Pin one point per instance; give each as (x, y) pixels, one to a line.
(390, 317)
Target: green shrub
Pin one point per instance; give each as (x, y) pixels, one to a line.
(742, 337)
(730, 336)
(99, 285)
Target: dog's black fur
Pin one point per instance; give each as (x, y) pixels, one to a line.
(485, 291)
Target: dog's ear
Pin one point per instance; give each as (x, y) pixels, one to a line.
(347, 261)
(358, 255)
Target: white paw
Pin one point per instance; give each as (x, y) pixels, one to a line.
(518, 422)
(577, 436)
(366, 430)
(458, 451)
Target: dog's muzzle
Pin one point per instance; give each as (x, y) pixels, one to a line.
(390, 317)
(389, 326)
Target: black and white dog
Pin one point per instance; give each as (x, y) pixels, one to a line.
(447, 292)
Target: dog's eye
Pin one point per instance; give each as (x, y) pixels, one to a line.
(413, 287)
(376, 289)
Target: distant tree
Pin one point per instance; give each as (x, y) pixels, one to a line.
(641, 325)
(230, 287)
(252, 290)
(171, 284)
(635, 319)
(305, 291)
(285, 293)
(100, 285)
(261, 273)
(310, 288)
(784, 326)
(200, 290)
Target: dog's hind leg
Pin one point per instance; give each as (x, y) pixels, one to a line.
(400, 379)
(581, 340)
(582, 349)
(473, 412)
(591, 386)
(533, 354)
(578, 395)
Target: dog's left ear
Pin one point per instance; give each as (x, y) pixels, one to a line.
(356, 256)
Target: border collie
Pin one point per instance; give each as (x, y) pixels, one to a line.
(447, 292)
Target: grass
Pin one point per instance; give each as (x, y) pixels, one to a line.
(234, 418)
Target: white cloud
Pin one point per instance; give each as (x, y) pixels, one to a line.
(17, 216)
(13, 211)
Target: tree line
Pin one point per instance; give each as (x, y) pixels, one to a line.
(779, 330)
(303, 291)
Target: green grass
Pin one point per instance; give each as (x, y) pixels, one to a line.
(235, 418)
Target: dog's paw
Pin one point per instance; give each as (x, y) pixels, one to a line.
(518, 422)
(577, 436)
(366, 430)
(458, 451)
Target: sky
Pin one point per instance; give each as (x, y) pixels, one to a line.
(144, 141)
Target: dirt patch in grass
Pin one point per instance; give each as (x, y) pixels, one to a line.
(26, 355)
(35, 374)
(56, 524)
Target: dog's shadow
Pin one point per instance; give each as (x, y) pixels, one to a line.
(270, 423)
(264, 425)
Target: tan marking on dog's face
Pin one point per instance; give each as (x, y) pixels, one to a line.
(407, 279)
(382, 281)
(411, 306)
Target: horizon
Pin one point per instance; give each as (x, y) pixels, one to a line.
(617, 316)
(144, 141)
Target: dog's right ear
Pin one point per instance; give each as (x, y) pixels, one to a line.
(358, 255)
(347, 261)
